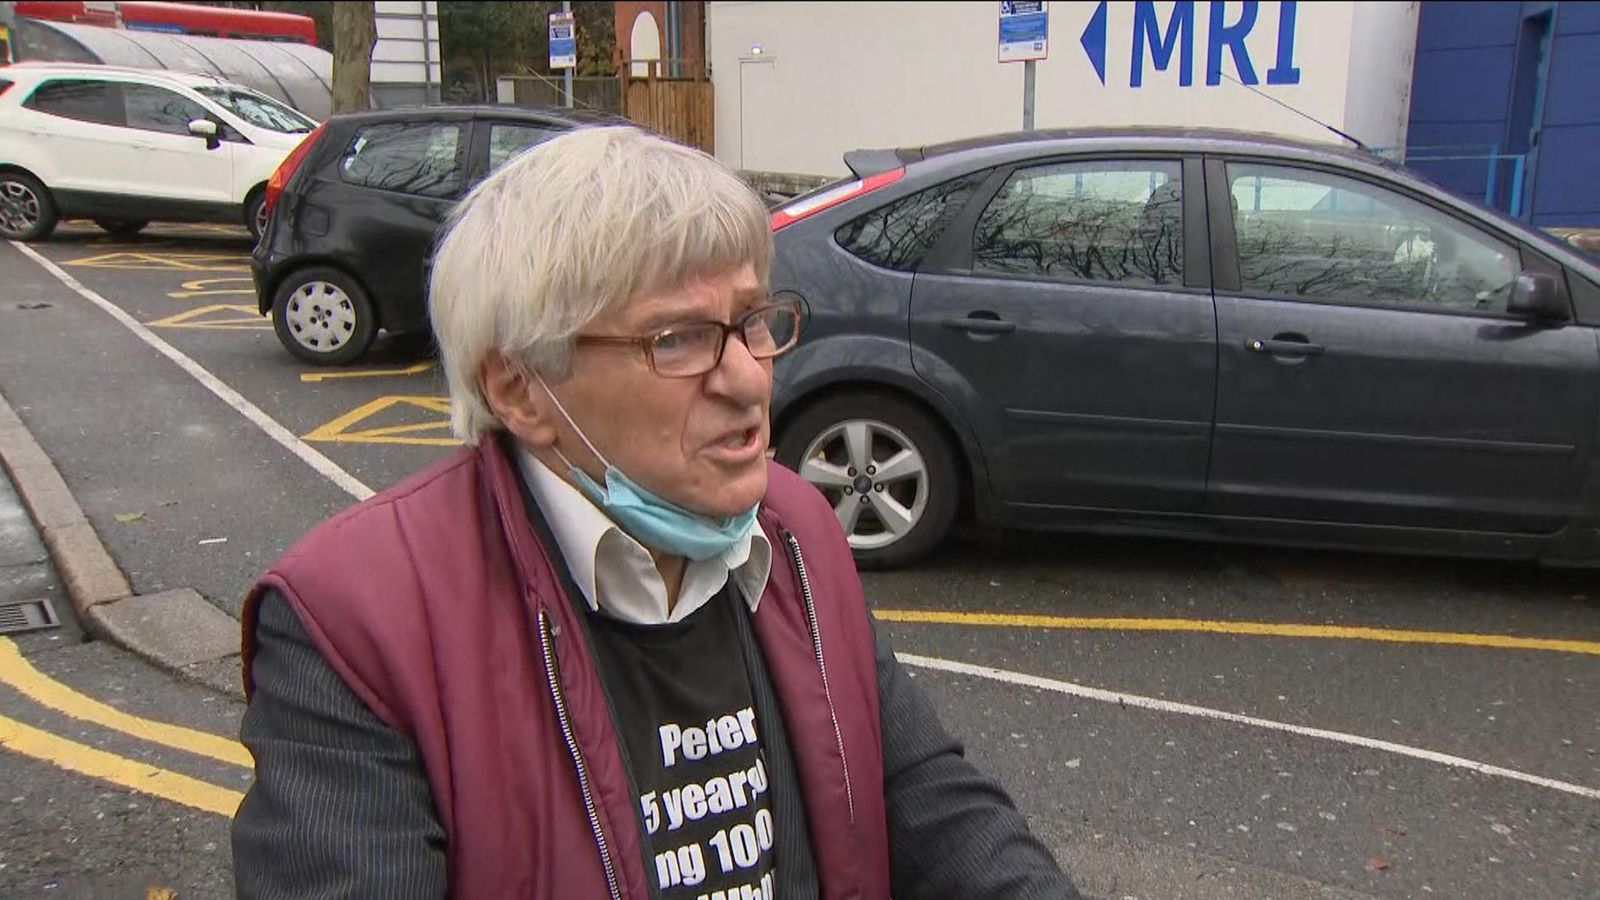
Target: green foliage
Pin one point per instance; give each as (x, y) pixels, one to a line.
(481, 40)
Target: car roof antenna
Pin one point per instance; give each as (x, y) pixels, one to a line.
(1344, 134)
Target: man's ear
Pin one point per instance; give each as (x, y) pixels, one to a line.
(518, 401)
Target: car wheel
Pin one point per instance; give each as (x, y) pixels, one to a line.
(256, 215)
(886, 468)
(323, 317)
(27, 211)
(123, 227)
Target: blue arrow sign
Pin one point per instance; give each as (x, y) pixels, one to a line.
(1094, 41)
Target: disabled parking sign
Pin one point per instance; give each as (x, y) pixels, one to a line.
(563, 41)
(1024, 31)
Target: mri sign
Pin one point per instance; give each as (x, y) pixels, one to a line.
(1160, 41)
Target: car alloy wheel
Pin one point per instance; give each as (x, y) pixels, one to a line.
(19, 208)
(263, 216)
(875, 477)
(321, 317)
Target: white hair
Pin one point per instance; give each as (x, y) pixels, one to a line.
(570, 230)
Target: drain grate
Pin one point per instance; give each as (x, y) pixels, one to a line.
(27, 615)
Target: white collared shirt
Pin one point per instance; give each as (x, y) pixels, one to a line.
(609, 564)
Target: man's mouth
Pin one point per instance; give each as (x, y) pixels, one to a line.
(738, 441)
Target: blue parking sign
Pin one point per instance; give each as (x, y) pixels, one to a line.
(1024, 30)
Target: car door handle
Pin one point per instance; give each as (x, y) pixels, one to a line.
(1282, 347)
(977, 324)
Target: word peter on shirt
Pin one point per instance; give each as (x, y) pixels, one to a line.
(683, 698)
(737, 836)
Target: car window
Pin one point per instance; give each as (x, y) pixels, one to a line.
(507, 140)
(158, 109)
(1118, 221)
(412, 157)
(259, 109)
(86, 100)
(1303, 233)
(899, 235)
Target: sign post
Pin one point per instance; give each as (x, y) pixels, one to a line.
(564, 46)
(1025, 38)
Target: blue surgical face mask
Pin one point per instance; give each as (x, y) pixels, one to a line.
(655, 521)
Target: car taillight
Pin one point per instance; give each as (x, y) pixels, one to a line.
(810, 206)
(285, 169)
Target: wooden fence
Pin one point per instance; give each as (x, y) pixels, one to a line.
(679, 108)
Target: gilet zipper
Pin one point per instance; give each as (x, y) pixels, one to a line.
(816, 646)
(545, 639)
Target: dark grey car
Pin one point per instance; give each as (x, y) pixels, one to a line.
(1203, 334)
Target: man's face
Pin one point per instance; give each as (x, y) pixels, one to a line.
(700, 442)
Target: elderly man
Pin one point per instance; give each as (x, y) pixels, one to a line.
(607, 650)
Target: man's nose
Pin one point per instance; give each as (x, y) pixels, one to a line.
(739, 376)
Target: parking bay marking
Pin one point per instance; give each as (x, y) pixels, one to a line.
(417, 369)
(165, 262)
(1266, 629)
(425, 434)
(221, 316)
(285, 438)
(208, 287)
(1022, 679)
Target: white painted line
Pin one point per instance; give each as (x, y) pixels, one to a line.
(325, 466)
(1078, 690)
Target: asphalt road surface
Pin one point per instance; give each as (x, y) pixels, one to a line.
(1177, 720)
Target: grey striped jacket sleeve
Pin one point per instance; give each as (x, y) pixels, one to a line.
(953, 831)
(340, 808)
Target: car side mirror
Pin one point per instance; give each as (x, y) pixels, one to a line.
(205, 128)
(1538, 296)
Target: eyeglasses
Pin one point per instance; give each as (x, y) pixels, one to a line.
(695, 348)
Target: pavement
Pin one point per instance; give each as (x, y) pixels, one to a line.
(176, 629)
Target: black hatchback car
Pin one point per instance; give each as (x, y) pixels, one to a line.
(1203, 334)
(354, 211)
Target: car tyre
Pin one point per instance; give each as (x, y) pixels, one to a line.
(895, 453)
(123, 227)
(27, 211)
(323, 317)
(255, 215)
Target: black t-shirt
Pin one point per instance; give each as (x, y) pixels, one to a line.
(682, 696)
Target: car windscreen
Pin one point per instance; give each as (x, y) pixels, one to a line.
(259, 110)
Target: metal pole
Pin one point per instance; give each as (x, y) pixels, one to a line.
(1027, 95)
(566, 79)
(428, 95)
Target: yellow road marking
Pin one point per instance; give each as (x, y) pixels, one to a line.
(182, 262)
(137, 776)
(394, 430)
(33, 684)
(339, 430)
(1268, 629)
(225, 316)
(206, 287)
(366, 373)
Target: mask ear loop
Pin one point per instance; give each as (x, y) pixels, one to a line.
(574, 425)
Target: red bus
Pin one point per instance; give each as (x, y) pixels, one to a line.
(177, 18)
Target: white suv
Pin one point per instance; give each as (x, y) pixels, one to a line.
(127, 146)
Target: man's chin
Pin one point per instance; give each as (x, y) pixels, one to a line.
(742, 491)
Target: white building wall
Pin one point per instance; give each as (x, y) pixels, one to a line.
(1382, 53)
(834, 77)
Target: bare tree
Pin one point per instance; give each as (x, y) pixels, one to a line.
(355, 32)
